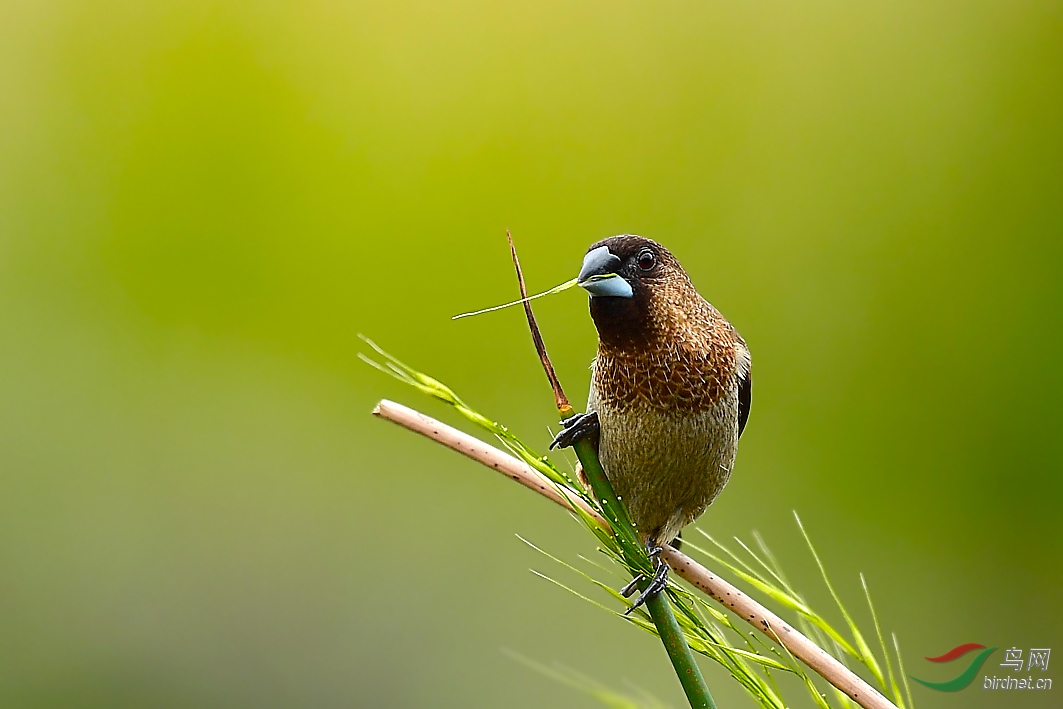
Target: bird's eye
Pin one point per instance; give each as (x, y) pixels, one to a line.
(647, 260)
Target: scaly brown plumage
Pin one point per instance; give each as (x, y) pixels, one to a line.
(670, 384)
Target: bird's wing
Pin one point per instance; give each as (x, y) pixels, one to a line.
(745, 398)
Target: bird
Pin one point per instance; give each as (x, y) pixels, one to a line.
(670, 391)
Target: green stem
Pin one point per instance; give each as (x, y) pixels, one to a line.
(675, 642)
(679, 652)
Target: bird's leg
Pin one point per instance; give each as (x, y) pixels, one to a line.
(654, 552)
(575, 428)
(627, 590)
(657, 584)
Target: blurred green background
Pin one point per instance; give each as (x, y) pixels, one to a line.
(203, 203)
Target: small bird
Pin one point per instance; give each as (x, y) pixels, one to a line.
(670, 390)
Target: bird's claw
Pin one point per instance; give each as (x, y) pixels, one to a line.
(658, 583)
(576, 427)
(627, 590)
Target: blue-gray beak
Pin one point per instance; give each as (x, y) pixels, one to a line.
(599, 278)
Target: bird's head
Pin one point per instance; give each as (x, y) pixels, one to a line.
(637, 288)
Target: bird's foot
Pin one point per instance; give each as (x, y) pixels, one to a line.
(631, 587)
(575, 428)
(657, 584)
(654, 552)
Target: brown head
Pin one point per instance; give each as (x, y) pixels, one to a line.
(659, 341)
(639, 292)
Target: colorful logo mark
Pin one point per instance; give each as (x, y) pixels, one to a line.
(965, 677)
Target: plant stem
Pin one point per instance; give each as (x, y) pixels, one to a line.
(679, 652)
(717, 588)
(675, 642)
(537, 339)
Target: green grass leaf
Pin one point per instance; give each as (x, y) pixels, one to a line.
(865, 655)
(588, 686)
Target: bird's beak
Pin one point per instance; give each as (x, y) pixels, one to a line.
(598, 278)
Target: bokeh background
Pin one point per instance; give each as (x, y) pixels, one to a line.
(202, 203)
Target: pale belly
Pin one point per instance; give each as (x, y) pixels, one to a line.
(665, 464)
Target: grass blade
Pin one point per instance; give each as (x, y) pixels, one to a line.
(588, 686)
(904, 676)
(865, 655)
(885, 652)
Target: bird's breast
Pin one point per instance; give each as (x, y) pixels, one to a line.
(667, 463)
(692, 383)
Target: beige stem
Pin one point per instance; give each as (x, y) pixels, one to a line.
(704, 580)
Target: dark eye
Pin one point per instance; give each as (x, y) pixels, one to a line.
(647, 260)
